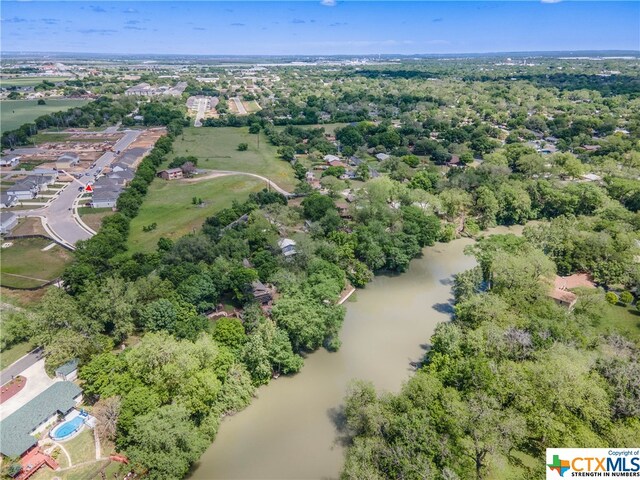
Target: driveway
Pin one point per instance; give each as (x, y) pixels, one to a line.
(17, 367)
(37, 382)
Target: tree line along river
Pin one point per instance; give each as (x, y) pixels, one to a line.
(290, 431)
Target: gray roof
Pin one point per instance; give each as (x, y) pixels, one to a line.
(7, 217)
(131, 155)
(6, 199)
(69, 156)
(68, 367)
(15, 429)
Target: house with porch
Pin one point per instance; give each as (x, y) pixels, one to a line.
(19, 430)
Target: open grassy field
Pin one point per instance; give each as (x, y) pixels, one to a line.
(14, 113)
(624, 320)
(25, 265)
(169, 205)
(29, 81)
(251, 106)
(217, 148)
(93, 216)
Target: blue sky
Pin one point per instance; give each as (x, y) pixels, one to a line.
(318, 27)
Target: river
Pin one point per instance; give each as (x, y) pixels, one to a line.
(289, 432)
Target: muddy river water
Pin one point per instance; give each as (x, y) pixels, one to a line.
(289, 432)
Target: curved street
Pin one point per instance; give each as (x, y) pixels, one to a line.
(60, 217)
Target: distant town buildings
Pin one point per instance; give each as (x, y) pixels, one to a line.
(146, 90)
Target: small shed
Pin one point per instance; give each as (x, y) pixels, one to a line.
(383, 156)
(68, 371)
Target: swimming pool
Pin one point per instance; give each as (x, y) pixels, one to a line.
(64, 431)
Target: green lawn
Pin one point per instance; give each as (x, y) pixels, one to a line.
(217, 148)
(624, 320)
(81, 448)
(30, 81)
(14, 113)
(26, 258)
(83, 472)
(251, 106)
(12, 354)
(168, 204)
(93, 216)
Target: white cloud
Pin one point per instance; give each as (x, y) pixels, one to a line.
(328, 3)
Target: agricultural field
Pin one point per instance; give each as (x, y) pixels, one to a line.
(169, 205)
(26, 265)
(29, 81)
(14, 113)
(217, 148)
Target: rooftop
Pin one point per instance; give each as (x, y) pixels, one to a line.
(15, 430)
(68, 367)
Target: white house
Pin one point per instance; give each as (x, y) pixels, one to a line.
(8, 221)
(287, 246)
(10, 161)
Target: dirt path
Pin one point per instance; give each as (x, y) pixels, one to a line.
(28, 278)
(222, 173)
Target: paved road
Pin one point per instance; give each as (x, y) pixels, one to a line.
(202, 108)
(20, 366)
(240, 106)
(59, 216)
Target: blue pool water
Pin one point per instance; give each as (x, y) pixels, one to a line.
(67, 428)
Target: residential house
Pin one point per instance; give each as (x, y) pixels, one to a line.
(67, 160)
(106, 192)
(170, 174)
(330, 158)
(561, 290)
(123, 177)
(18, 430)
(8, 221)
(8, 201)
(355, 161)
(261, 293)
(287, 246)
(383, 156)
(336, 163)
(454, 161)
(24, 189)
(10, 161)
(68, 371)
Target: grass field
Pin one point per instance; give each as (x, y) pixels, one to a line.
(251, 106)
(29, 81)
(93, 216)
(10, 355)
(217, 148)
(25, 265)
(624, 320)
(81, 448)
(14, 113)
(168, 204)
